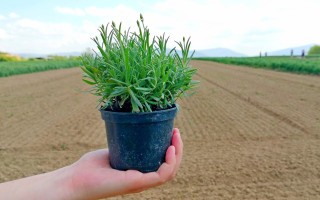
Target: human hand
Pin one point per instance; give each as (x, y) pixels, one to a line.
(93, 177)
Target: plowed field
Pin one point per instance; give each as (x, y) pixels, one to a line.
(248, 133)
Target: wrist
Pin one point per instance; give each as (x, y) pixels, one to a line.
(55, 185)
(61, 183)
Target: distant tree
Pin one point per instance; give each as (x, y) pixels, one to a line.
(74, 58)
(314, 50)
(88, 50)
(32, 59)
(54, 57)
(7, 57)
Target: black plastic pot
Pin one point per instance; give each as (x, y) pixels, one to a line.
(139, 140)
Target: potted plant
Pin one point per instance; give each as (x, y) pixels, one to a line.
(138, 81)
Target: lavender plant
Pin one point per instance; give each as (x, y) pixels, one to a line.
(134, 73)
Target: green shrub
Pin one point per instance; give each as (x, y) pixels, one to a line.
(315, 50)
(134, 73)
(32, 59)
(5, 58)
(53, 57)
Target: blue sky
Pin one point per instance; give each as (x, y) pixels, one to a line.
(46, 10)
(247, 26)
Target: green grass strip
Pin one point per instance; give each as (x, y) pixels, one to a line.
(286, 64)
(23, 67)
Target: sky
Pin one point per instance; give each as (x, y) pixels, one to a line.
(246, 26)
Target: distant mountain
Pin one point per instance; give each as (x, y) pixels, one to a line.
(31, 55)
(217, 52)
(296, 51)
(35, 55)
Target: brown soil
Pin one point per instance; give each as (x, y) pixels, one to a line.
(248, 133)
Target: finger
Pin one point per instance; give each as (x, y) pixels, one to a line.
(177, 142)
(170, 156)
(166, 169)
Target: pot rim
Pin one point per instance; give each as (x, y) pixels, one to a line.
(144, 117)
(175, 106)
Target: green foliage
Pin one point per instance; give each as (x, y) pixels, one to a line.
(74, 58)
(134, 73)
(32, 59)
(4, 58)
(315, 50)
(304, 66)
(54, 57)
(22, 67)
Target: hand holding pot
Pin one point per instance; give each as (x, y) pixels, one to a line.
(93, 178)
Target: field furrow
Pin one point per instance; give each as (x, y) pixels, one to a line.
(248, 133)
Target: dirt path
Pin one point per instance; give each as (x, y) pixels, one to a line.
(248, 133)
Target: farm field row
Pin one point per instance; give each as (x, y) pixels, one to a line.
(285, 63)
(248, 133)
(23, 67)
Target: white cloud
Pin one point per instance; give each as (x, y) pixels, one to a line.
(118, 14)
(46, 28)
(120, 10)
(70, 11)
(13, 15)
(4, 34)
(247, 26)
(27, 35)
(2, 17)
(207, 22)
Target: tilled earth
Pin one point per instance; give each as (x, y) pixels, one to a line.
(248, 133)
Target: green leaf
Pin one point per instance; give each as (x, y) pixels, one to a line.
(89, 82)
(143, 89)
(84, 69)
(134, 98)
(187, 95)
(96, 70)
(152, 102)
(135, 107)
(148, 107)
(123, 99)
(166, 76)
(194, 82)
(155, 98)
(120, 82)
(118, 91)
